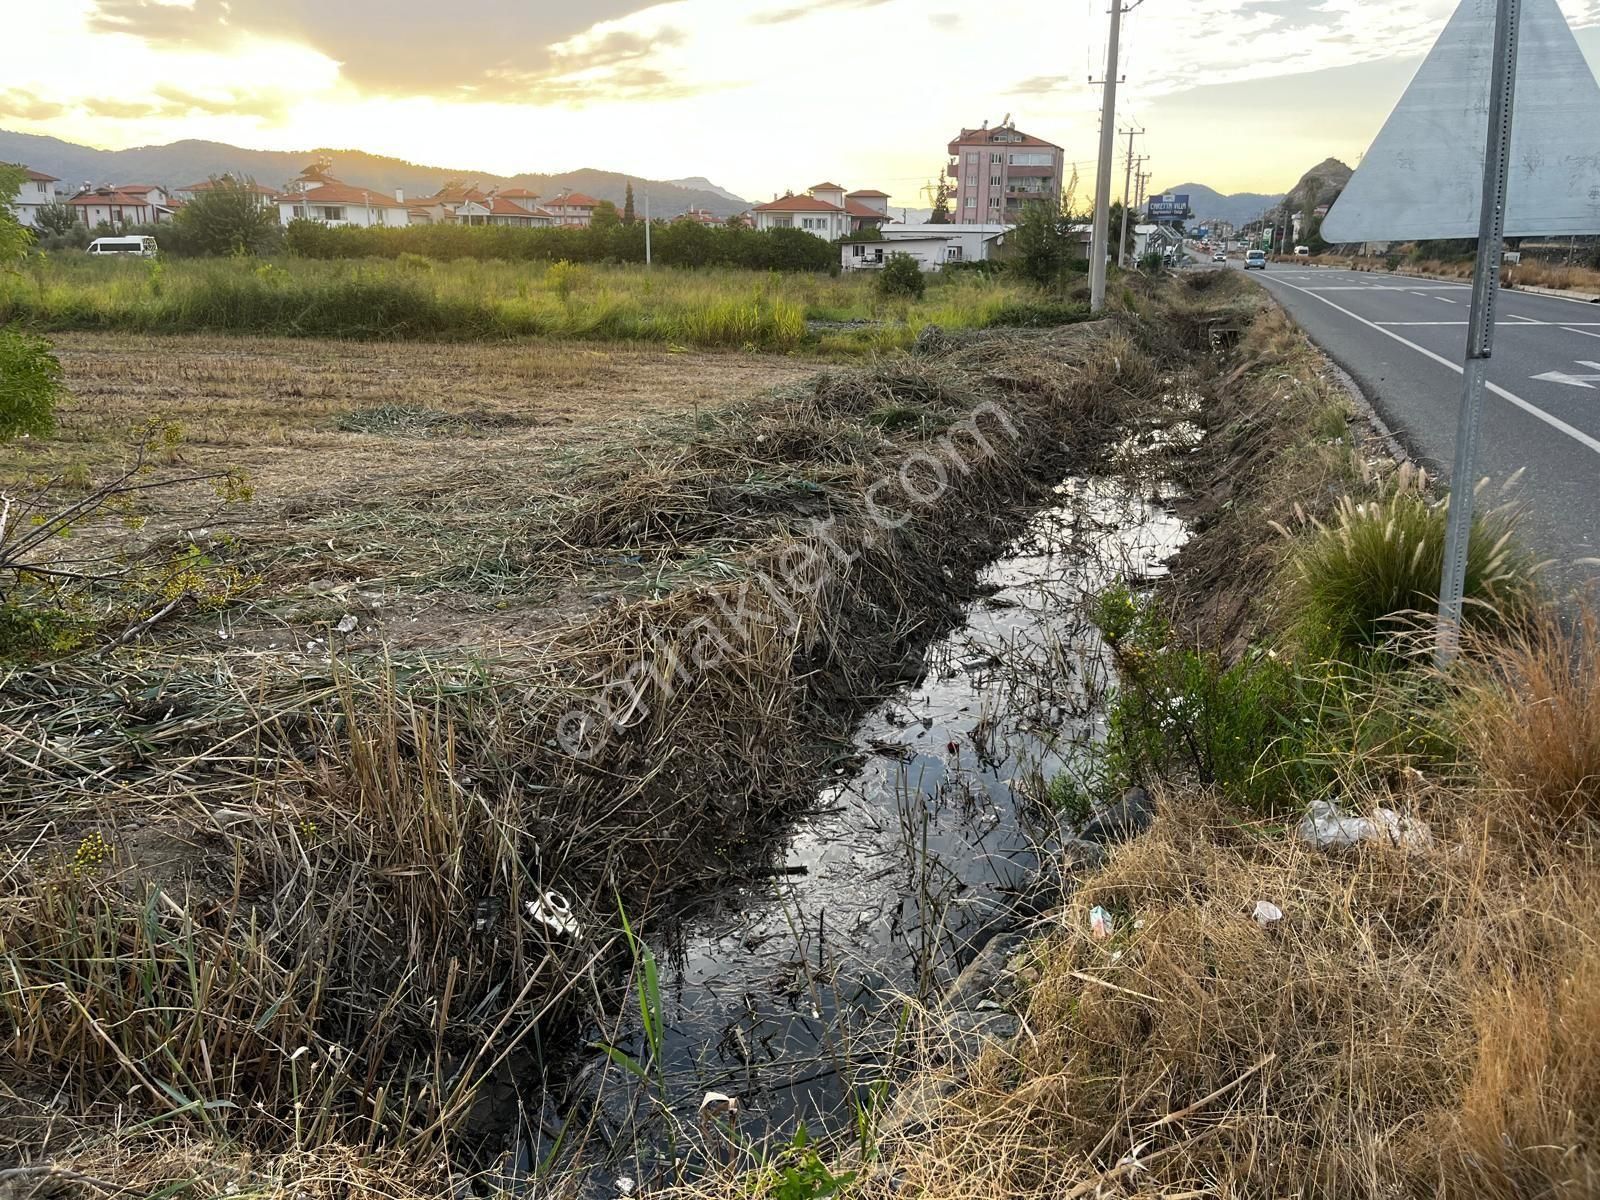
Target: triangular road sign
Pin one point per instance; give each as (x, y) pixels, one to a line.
(1423, 176)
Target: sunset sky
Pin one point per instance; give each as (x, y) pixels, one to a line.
(758, 95)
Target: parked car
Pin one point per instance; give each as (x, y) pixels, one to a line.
(1255, 260)
(138, 247)
(1302, 251)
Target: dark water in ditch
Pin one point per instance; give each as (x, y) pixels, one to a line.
(785, 994)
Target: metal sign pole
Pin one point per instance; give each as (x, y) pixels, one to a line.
(1480, 327)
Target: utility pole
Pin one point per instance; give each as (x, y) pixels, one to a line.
(1102, 183)
(647, 226)
(1127, 197)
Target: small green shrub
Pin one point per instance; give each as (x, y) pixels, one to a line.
(902, 276)
(30, 383)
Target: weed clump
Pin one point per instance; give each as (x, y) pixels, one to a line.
(1372, 572)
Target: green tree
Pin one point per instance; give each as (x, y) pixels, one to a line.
(1042, 245)
(940, 194)
(627, 205)
(56, 218)
(228, 218)
(30, 376)
(605, 216)
(902, 276)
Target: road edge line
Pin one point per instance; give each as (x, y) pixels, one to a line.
(1533, 410)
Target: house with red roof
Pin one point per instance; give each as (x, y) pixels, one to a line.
(572, 208)
(826, 210)
(317, 196)
(264, 194)
(470, 205)
(36, 191)
(119, 206)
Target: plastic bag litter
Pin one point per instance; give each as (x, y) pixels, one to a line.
(553, 910)
(347, 623)
(1326, 828)
(1267, 913)
(1099, 923)
(719, 1104)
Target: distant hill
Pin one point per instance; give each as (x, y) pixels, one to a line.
(1320, 185)
(1210, 205)
(190, 161)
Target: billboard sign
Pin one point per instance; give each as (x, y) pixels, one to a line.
(1170, 206)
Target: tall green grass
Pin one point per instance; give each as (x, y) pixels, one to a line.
(414, 297)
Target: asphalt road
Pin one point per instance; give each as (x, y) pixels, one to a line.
(1403, 339)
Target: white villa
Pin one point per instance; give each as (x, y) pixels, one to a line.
(34, 194)
(318, 196)
(825, 210)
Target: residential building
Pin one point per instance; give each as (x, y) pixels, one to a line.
(318, 196)
(119, 207)
(264, 194)
(572, 208)
(826, 211)
(496, 209)
(469, 205)
(998, 171)
(702, 216)
(931, 250)
(36, 191)
(963, 243)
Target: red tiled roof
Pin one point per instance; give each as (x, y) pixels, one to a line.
(986, 136)
(114, 197)
(824, 187)
(518, 193)
(39, 176)
(458, 195)
(798, 204)
(867, 192)
(206, 185)
(341, 193)
(501, 207)
(140, 189)
(861, 210)
(572, 200)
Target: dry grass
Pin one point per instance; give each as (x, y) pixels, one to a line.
(306, 928)
(1534, 723)
(1417, 1024)
(263, 404)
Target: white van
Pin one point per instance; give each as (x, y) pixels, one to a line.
(1302, 251)
(1255, 260)
(139, 247)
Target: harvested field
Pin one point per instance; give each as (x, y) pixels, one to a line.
(276, 831)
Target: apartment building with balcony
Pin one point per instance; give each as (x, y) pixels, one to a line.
(998, 170)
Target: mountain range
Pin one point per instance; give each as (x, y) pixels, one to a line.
(190, 161)
(1210, 205)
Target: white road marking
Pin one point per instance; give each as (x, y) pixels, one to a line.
(1533, 410)
(1585, 332)
(1444, 300)
(1513, 321)
(1586, 382)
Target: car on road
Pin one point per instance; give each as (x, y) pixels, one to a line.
(1219, 256)
(1255, 260)
(1302, 251)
